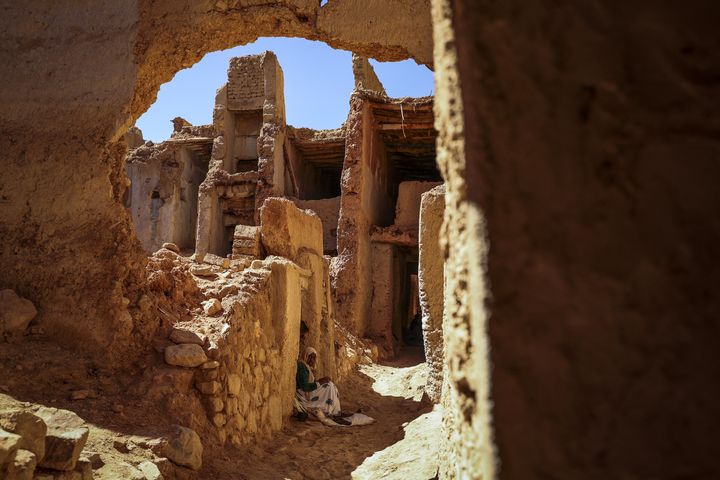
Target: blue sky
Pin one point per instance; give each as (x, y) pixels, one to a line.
(318, 82)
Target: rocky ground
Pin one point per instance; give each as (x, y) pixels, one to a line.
(98, 422)
(125, 430)
(397, 446)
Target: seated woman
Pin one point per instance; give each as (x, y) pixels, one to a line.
(319, 398)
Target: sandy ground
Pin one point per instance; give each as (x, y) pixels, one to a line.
(392, 394)
(398, 445)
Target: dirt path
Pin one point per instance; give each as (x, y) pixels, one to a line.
(399, 445)
(389, 393)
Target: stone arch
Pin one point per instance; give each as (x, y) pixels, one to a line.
(78, 75)
(203, 27)
(612, 102)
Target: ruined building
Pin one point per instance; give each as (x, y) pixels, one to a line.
(262, 239)
(577, 262)
(203, 189)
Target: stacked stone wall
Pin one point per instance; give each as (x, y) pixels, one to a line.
(241, 362)
(246, 385)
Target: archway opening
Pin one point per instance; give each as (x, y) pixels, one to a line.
(316, 84)
(369, 166)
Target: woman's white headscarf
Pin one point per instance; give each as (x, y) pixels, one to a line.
(309, 351)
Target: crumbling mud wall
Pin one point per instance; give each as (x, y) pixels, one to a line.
(328, 209)
(162, 195)
(134, 138)
(247, 161)
(251, 390)
(582, 237)
(67, 241)
(351, 268)
(392, 248)
(296, 235)
(383, 297)
(365, 76)
(154, 174)
(313, 169)
(431, 277)
(389, 158)
(407, 207)
(271, 159)
(230, 367)
(225, 375)
(366, 201)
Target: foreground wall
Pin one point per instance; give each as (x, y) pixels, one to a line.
(591, 162)
(66, 242)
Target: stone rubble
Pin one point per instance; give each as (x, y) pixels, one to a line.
(150, 471)
(212, 306)
(181, 335)
(9, 443)
(65, 439)
(31, 428)
(43, 443)
(432, 287)
(185, 355)
(23, 466)
(203, 271)
(183, 447)
(246, 242)
(16, 313)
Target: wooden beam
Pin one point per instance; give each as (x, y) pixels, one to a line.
(406, 126)
(409, 107)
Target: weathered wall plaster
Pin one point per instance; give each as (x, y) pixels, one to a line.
(581, 224)
(431, 278)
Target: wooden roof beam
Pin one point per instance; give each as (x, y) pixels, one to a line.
(405, 126)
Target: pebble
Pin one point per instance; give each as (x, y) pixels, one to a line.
(171, 246)
(212, 306)
(183, 335)
(185, 355)
(121, 446)
(95, 460)
(82, 394)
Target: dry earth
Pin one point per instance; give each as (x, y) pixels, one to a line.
(392, 394)
(124, 423)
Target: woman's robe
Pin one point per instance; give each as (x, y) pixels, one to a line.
(313, 396)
